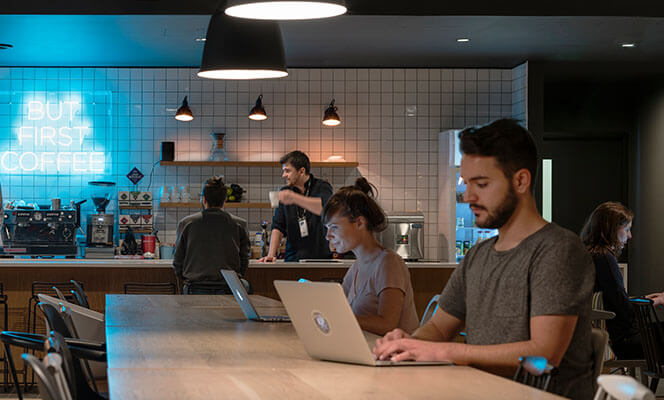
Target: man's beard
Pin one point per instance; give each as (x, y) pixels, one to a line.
(497, 218)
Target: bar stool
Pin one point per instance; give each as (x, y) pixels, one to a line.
(5, 316)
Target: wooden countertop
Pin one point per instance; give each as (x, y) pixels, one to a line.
(127, 263)
(202, 347)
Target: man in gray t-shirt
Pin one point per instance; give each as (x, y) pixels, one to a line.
(525, 292)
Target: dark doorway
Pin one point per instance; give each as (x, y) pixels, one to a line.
(586, 170)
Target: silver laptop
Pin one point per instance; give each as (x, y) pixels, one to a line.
(243, 300)
(327, 326)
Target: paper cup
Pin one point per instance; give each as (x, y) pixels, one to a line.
(274, 199)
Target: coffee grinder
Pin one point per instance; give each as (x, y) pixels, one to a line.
(100, 225)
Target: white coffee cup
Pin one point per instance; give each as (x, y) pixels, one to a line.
(274, 199)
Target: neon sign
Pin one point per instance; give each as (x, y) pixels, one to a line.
(53, 137)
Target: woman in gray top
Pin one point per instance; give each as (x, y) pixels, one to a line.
(377, 285)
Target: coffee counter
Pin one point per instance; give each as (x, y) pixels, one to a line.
(137, 263)
(101, 277)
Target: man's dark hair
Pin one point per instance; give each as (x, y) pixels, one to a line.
(215, 192)
(506, 140)
(297, 159)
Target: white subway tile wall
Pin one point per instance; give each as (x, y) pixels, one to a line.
(390, 124)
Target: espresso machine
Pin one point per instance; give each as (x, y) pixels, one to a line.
(100, 224)
(36, 232)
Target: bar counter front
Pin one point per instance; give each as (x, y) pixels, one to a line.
(101, 277)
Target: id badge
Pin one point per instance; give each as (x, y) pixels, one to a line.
(304, 230)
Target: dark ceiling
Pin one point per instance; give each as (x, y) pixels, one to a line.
(373, 34)
(634, 8)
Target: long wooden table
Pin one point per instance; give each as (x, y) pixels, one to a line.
(202, 347)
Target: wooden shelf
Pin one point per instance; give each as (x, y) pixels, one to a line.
(135, 207)
(331, 164)
(196, 204)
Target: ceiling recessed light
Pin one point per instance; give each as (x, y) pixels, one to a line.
(200, 39)
(463, 40)
(628, 45)
(5, 46)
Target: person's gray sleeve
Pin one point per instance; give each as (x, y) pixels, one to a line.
(453, 297)
(561, 278)
(348, 279)
(180, 249)
(245, 248)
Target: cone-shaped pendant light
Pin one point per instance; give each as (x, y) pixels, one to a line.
(331, 118)
(242, 49)
(285, 9)
(184, 112)
(258, 113)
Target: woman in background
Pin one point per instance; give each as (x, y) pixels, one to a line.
(605, 233)
(377, 285)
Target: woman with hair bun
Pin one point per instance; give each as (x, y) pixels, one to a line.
(377, 285)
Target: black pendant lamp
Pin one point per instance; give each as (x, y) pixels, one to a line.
(331, 118)
(184, 112)
(242, 49)
(285, 9)
(258, 113)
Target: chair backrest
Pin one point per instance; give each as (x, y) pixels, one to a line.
(599, 340)
(150, 288)
(598, 304)
(48, 289)
(79, 294)
(59, 293)
(621, 387)
(534, 371)
(431, 309)
(652, 337)
(50, 377)
(55, 343)
(54, 320)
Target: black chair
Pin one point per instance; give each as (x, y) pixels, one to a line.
(80, 349)
(5, 316)
(150, 288)
(47, 288)
(652, 339)
(534, 371)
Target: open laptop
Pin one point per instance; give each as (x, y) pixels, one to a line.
(327, 326)
(243, 300)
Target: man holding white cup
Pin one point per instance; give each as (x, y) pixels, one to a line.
(298, 211)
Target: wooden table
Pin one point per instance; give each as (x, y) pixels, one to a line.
(202, 347)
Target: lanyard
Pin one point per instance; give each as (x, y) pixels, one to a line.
(301, 212)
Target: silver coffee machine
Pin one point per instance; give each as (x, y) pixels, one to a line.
(405, 235)
(100, 225)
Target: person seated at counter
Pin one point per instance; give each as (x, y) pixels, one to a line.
(377, 285)
(605, 234)
(298, 216)
(525, 292)
(208, 241)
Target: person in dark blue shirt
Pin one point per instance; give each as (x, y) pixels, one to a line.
(298, 216)
(605, 234)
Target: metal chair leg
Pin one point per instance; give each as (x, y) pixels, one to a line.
(8, 354)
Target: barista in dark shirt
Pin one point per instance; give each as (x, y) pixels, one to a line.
(298, 216)
(209, 241)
